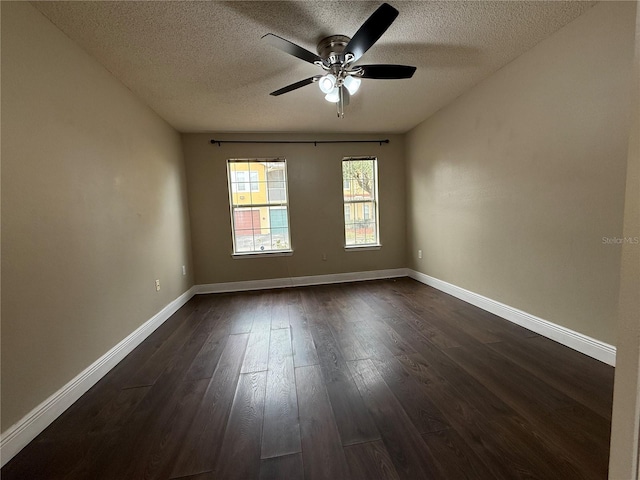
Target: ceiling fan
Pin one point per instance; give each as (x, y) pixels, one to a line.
(337, 55)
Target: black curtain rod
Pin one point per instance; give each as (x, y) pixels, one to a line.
(315, 142)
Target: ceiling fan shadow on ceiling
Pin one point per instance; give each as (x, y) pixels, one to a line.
(337, 55)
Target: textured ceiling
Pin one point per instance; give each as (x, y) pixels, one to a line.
(202, 65)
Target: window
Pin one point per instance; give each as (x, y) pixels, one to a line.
(259, 205)
(360, 193)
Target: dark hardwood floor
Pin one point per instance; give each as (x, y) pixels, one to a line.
(374, 380)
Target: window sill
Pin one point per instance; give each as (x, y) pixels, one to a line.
(362, 247)
(274, 253)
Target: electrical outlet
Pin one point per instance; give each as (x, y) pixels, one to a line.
(419, 253)
(324, 257)
(184, 270)
(157, 285)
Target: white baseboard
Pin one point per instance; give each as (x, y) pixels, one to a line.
(300, 281)
(16, 437)
(582, 343)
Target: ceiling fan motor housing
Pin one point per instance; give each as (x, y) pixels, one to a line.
(331, 48)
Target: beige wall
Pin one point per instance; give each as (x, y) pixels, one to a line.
(93, 211)
(315, 191)
(512, 187)
(626, 398)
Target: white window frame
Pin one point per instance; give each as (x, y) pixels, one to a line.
(254, 183)
(351, 206)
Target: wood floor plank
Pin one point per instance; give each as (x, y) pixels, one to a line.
(242, 312)
(517, 387)
(408, 452)
(146, 420)
(531, 456)
(49, 458)
(473, 416)
(506, 331)
(132, 362)
(198, 476)
(421, 370)
(385, 302)
(239, 458)
(437, 310)
(454, 458)
(154, 456)
(203, 440)
(351, 307)
(371, 343)
(98, 417)
(394, 342)
(499, 447)
(263, 301)
(286, 467)
(349, 344)
(207, 359)
(454, 405)
(354, 422)
(304, 349)
(563, 376)
(280, 309)
(464, 384)
(322, 453)
(256, 358)
(424, 414)
(153, 367)
(93, 463)
(370, 460)
(588, 368)
(480, 426)
(281, 434)
(426, 329)
(101, 436)
(582, 433)
(330, 306)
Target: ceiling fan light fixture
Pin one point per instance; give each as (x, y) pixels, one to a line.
(327, 83)
(333, 96)
(352, 84)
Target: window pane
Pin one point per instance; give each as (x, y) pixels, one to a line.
(239, 179)
(254, 181)
(277, 191)
(244, 240)
(247, 219)
(276, 187)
